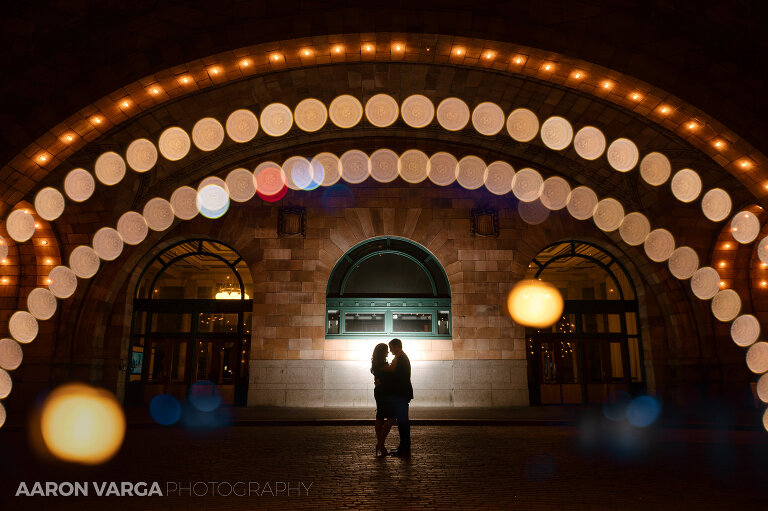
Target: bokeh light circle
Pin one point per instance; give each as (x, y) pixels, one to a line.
(582, 203)
(716, 204)
(84, 261)
(643, 411)
(132, 227)
(622, 154)
(745, 330)
(556, 133)
(23, 326)
(533, 213)
(345, 111)
(705, 283)
(79, 185)
(659, 245)
(41, 303)
(109, 168)
(184, 203)
(20, 225)
(522, 125)
(488, 118)
(159, 214)
(2, 415)
(310, 115)
(745, 227)
(205, 396)
(49, 203)
(470, 173)
(384, 165)
(417, 111)
(528, 185)
(589, 143)
(107, 243)
(174, 144)
(276, 119)
(686, 185)
(165, 409)
(535, 303)
(443, 168)
(355, 167)
(240, 185)
(11, 355)
(63, 282)
(726, 305)
(141, 155)
(757, 357)
(608, 215)
(298, 173)
(414, 166)
(207, 134)
(6, 384)
(555, 193)
(242, 125)
(634, 229)
(82, 424)
(381, 110)
(762, 388)
(452, 114)
(270, 179)
(498, 180)
(655, 169)
(683, 263)
(331, 168)
(212, 201)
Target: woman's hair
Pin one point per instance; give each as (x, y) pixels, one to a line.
(379, 357)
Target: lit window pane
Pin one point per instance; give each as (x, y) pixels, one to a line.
(333, 322)
(412, 322)
(442, 323)
(364, 323)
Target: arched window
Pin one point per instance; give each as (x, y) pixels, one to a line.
(388, 287)
(595, 348)
(191, 322)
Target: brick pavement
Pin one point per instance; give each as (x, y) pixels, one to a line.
(592, 466)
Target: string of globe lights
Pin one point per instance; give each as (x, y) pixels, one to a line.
(270, 181)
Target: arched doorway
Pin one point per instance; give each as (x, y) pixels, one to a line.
(594, 349)
(191, 321)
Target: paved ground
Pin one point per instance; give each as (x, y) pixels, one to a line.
(595, 465)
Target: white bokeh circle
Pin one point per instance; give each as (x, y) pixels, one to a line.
(384, 165)
(582, 203)
(11, 356)
(6, 384)
(655, 169)
(63, 282)
(23, 326)
(414, 166)
(499, 177)
(298, 173)
(686, 185)
(555, 193)
(242, 125)
(659, 245)
(556, 133)
(705, 283)
(488, 118)
(174, 143)
(310, 115)
(622, 154)
(207, 134)
(589, 143)
(41, 303)
(528, 185)
(84, 261)
(745, 330)
(470, 173)
(634, 229)
(79, 185)
(533, 212)
(417, 111)
(107, 243)
(745, 227)
(276, 119)
(443, 168)
(331, 167)
(212, 199)
(726, 305)
(608, 215)
(762, 389)
(109, 168)
(355, 166)
(381, 110)
(20, 225)
(345, 111)
(240, 185)
(159, 214)
(522, 125)
(184, 202)
(757, 357)
(452, 114)
(141, 155)
(132, 227)
(716, 204)
(683, 263)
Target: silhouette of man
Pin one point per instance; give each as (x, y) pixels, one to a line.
(401, 395)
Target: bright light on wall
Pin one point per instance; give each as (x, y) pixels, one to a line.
(535, 303)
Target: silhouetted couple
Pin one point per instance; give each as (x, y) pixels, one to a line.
(393, 392)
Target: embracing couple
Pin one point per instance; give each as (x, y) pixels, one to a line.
(393, 391)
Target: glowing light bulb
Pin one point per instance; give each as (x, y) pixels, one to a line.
(42, 158)
(4, 261)
(692, 125)
(306, 52)
(488, 55)
(722, 283)
(518, 60)
(44, 242)
(37, 225)
(48, 280)
(577, 74)
(97, 120)
(49, 261)
(4, 280)
(245, 63)
(184, 79)
(763, 283)
(69, 138)
(547, 67)
(459, 51)
(367, 47)
(636, 96)
(664, 110)
(125, 104)
(337, 49)
(606, 85)
(719, 144)
(275, 57)
(155, 90)
(722, 264)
